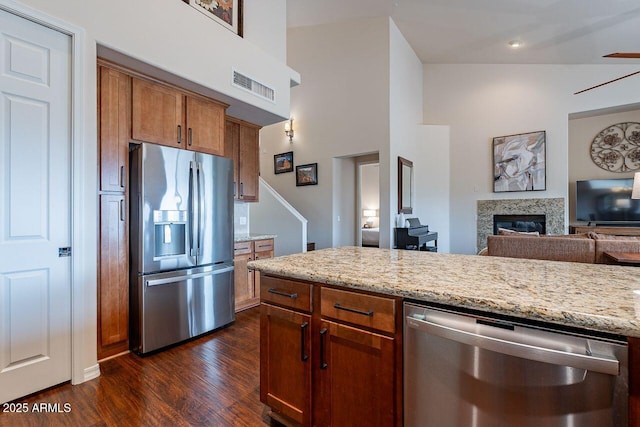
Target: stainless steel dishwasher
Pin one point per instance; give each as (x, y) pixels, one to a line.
(476, 370)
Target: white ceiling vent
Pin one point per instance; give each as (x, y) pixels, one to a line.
(256, 88)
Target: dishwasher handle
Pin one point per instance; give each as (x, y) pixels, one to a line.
(595, 363)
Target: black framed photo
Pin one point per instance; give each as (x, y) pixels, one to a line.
(283, 162)
(307, 174)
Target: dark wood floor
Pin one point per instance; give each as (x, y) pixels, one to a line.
(211, 381)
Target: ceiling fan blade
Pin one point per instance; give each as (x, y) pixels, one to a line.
(632, 55)
(606, 83)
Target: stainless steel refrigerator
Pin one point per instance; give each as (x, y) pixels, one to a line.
(181, 245)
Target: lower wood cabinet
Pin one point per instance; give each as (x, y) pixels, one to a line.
(113, 284)
(349, 346)
(246, 282)
(357, 377)
(285, 365)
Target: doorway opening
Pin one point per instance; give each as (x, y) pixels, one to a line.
(368, 197)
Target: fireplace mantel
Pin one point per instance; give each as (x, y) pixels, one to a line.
(553, 209)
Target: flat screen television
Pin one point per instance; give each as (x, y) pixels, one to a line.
(606, 201)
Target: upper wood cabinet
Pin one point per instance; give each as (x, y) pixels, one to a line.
(164, 115)
(242, 144)
(158, 114)
(114, 112)
(205, 126)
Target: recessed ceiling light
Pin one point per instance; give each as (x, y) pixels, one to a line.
(515, 44)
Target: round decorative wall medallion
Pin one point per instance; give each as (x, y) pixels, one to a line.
(617, 148)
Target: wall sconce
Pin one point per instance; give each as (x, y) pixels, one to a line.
(288, 129)
(635, 193)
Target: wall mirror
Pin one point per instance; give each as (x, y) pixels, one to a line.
(405, 186)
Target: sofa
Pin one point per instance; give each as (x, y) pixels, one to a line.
(586, 248)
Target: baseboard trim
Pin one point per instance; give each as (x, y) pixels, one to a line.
(92, 372)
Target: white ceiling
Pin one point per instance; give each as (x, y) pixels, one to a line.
(478, 31)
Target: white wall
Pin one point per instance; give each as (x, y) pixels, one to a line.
(405, 118)
(480, 102)
(341, 109)
(241, 218)
(433, 182)
(345, 217)
(582, 131)
(265, 25)
(175, 38)
(271, 216)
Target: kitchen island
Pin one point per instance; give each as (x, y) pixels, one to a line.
(600, 298)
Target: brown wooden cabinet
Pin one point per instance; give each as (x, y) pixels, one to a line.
(165, 115)
(157, 114)
(242, 145)
(286, 349)
(114, 127)
(360, 369)
(285, 365)
(205, 126)
(114, 112)
(355, 353)
(113, 286)
(247, 282)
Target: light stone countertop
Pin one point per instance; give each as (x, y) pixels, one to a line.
(252, 236)
(592, 296)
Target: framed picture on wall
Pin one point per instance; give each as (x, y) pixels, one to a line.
(519, 162)
(307, 174)
(283, 162)
(227, 13)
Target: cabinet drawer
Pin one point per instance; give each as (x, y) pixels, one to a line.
(242, 248)
(287, 293)
(263, 245)
(360, 309)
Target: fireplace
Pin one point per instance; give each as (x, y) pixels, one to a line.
(551, 208)
(521, 223)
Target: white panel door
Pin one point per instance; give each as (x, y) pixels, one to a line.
(35, 283)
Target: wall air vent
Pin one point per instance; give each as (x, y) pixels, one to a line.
(256, 88)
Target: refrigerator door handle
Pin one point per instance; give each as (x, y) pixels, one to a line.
(201, 196)
(173, 279)
(192, 208)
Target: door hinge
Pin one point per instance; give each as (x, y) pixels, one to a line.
(66, 251)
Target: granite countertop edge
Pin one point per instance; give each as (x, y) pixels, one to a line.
(252, 236)
(595, 317)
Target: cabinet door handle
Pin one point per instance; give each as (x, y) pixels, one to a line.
(284, 294)
(122, 210)
(323, 335)
(179, 134)
(353, 310)
(190, 137)
(303, 328)
(241, 189)
(122, 176)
